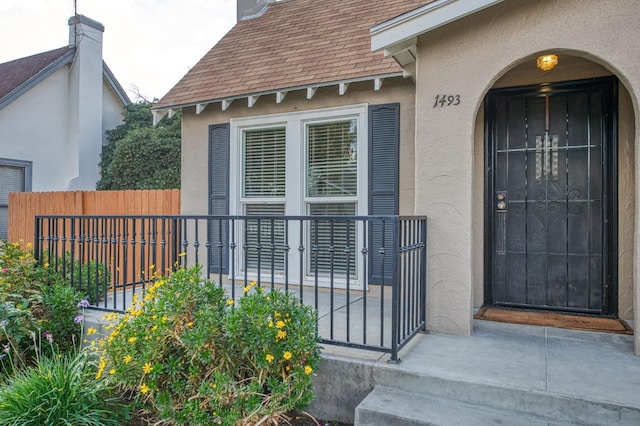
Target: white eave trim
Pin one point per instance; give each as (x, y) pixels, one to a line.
(422, 20)
(280, 94)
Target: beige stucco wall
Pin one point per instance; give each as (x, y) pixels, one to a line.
(467, 58)
(195, 132)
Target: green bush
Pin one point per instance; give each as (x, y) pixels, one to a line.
(192, 356)
(58, 390)
(92, 278)
(33, 300)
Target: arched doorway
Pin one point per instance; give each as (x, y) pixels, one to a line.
(551, 210)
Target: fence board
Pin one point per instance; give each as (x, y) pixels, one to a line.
(24, 206)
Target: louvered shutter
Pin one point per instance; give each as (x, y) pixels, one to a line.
(219, 197)
(384, 144)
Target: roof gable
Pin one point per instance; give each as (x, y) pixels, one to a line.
(293, 44)
(21, 74)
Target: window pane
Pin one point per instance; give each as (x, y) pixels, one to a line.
(338, 235)
(264, 163)
(332, 159)
(267, 235)
(11, 180)
(4, 230)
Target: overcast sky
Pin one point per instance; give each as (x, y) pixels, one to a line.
(148, 44)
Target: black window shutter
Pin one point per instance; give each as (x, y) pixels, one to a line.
(384, 147)
(219, 197)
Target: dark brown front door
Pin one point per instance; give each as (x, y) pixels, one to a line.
(551, 206)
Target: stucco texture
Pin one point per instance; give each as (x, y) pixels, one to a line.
(468, 58)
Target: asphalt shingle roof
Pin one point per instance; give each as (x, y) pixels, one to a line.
(15, 73)
(294, 43)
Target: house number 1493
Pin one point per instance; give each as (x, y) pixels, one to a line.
(446, 100)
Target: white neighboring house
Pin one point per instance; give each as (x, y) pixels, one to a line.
(54, 110)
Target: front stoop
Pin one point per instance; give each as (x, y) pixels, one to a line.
(447, 402)
(387, 406)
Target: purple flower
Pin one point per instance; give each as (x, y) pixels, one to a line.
(5, 270)
(78, 319)
(48, 336)
(84, 303)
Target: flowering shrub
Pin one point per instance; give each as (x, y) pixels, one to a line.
(191, 356)
(33, 300)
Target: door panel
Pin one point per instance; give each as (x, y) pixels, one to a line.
(551, 197)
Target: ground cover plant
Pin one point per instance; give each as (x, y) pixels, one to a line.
(187, 354)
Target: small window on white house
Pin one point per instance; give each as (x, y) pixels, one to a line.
(15, 176)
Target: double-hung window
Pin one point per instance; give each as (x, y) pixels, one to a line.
(263, 194)
(311, 163)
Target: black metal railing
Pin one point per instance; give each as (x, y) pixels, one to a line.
(365, 275)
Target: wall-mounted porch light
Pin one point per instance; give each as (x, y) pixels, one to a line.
(547, 62)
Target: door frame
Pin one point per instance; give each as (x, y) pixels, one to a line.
(609, 87)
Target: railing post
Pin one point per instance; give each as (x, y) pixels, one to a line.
(36, 238)
(395, 292)
(423, 276)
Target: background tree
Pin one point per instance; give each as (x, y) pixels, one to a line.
(139, 155)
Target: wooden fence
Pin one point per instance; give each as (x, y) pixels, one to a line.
(24, 206)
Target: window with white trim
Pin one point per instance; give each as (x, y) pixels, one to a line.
(300, 164)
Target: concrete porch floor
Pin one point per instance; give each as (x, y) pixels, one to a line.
(596, 367)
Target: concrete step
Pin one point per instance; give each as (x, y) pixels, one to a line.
(459, 399)
(388, 406)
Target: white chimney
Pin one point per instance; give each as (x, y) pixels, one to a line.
(248, 9)
(85, 103)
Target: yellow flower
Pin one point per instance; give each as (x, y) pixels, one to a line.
(281, 334)
(277, 314)
(247, 288)
(230, 302)
(308, 370)
(270, 324)
(287, 355)
(112, 371)
(279, 324)
(154, 328)
(144, 388)
(132, 339)
(147, 368)
(183, 254)
(269, 357)
(46, 264)
(91, 331)
(127, 359)
(190, 324)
